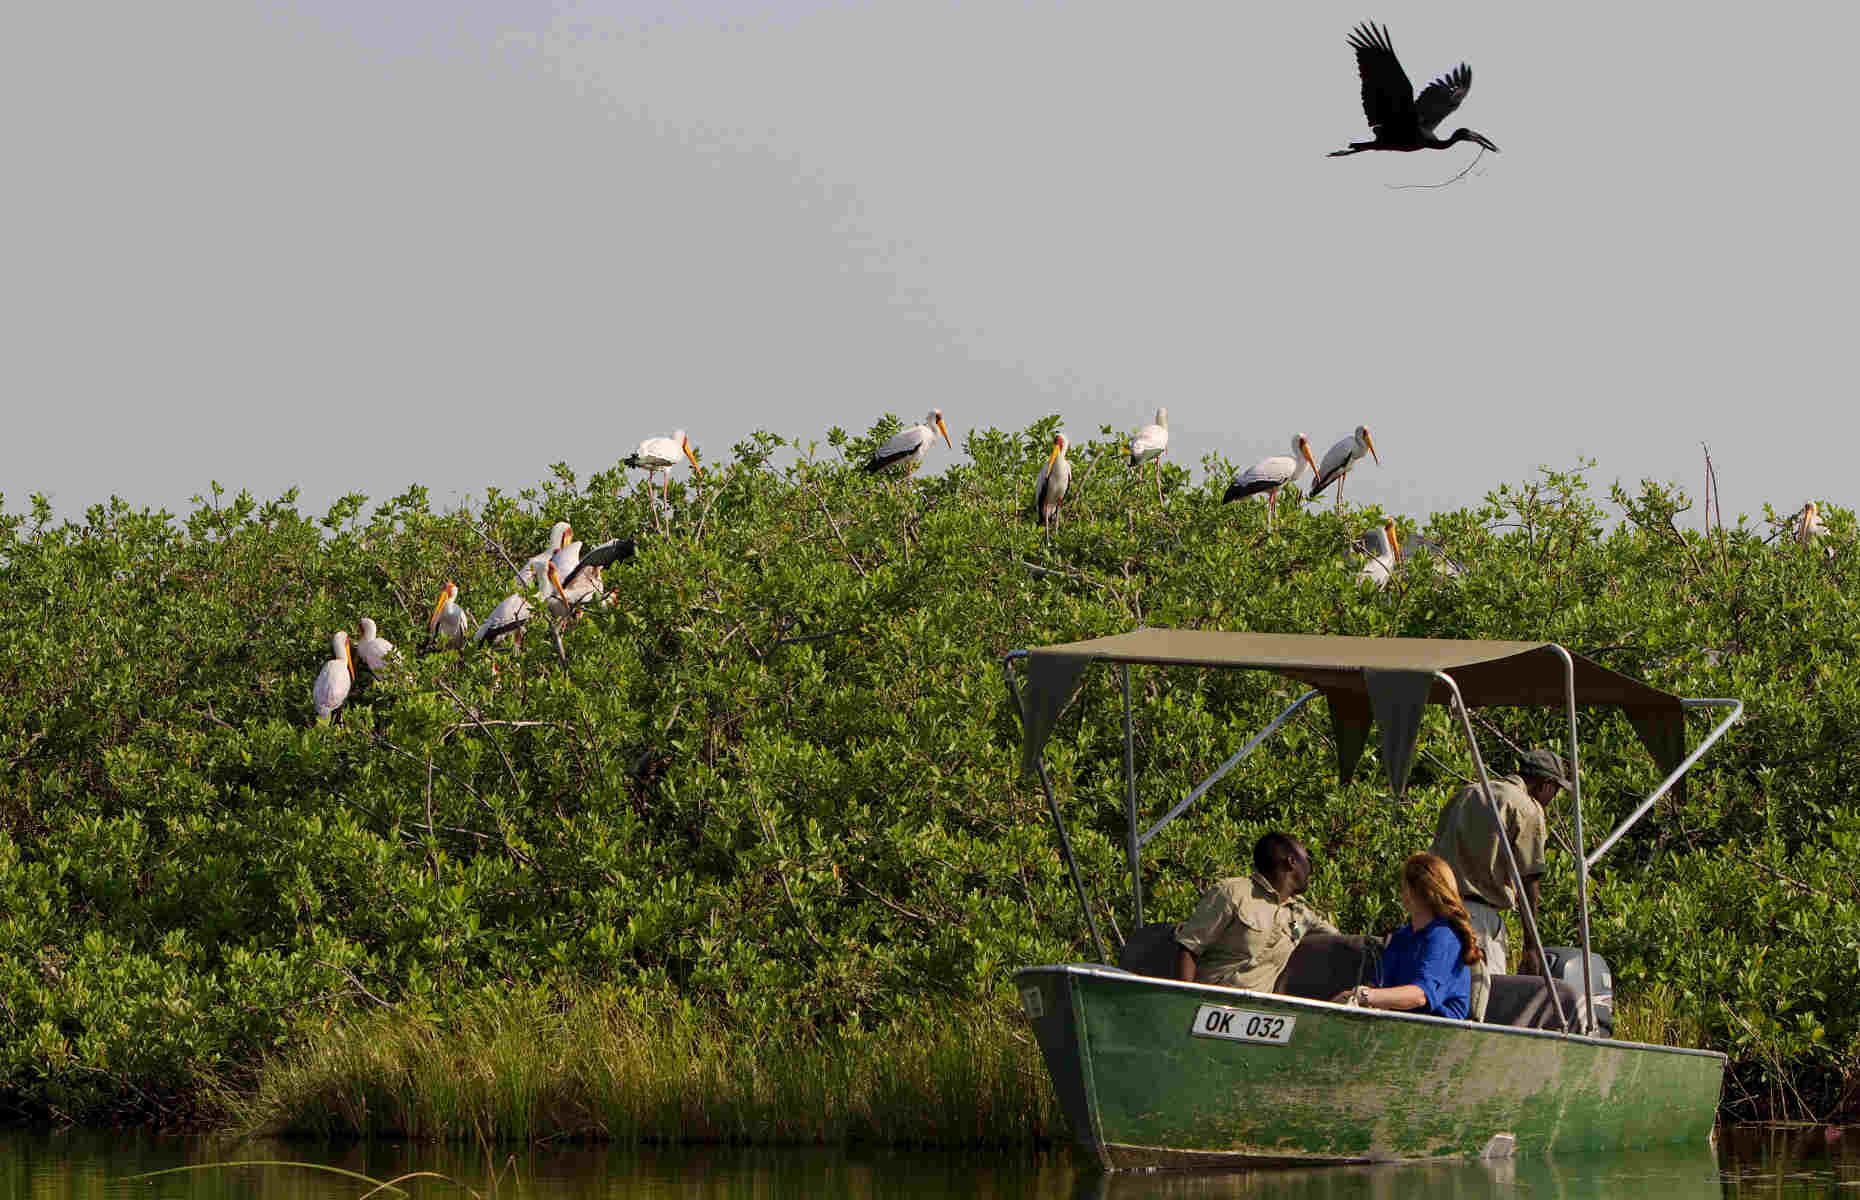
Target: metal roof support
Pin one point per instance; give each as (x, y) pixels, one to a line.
(1131, 845)
(1582, 864)
(1052, 806)
(1737, 710)
(1511, 860)
(1201, 788)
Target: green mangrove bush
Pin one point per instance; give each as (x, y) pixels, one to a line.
(777, 778)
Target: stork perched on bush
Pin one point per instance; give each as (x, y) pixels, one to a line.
(1340, 458)
(1400, 119)
(1049, 490)
(1268, 475)
(1149, 444)
(905, 450)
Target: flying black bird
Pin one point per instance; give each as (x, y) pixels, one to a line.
(1400, 119)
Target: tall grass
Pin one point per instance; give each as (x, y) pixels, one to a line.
(527, 1066)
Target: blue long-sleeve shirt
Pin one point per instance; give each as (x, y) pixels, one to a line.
(1429, 959)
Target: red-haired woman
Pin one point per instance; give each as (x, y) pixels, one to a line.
(1427, 965)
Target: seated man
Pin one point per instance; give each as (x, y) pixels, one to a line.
(1244, 930)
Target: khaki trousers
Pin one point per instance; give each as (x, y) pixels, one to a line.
(1489, 930)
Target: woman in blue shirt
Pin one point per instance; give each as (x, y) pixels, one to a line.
(1427, 965)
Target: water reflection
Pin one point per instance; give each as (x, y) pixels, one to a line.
(1651, 1175)
(1789, 1164)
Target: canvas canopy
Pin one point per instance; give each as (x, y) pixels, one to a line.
(1363, 679)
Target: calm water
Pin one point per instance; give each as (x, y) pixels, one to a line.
(1769, 1163)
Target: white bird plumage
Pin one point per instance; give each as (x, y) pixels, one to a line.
(373, 649)
(335, 679)
(531, 571)
(906, 449)
(1268, 475)
(449, 622)
(1809, 529)
(658, 454)
(1049, 490)
(1383, 545)
(1149, 444)
(1338, 460)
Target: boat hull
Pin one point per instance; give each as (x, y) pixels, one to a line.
(1144, 1087)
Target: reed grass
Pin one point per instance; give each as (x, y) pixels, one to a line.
(1657, 1015)
(529, 1066)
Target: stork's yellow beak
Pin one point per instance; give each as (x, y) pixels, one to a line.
(686, 447)
(1394, 540)
(555, 581)
(1053, 457)
(944, 430)
(568, 535)
(1304, 448)
(1371, 443)
(445, 597)
(348, 657)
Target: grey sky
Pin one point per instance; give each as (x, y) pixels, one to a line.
(350, 246)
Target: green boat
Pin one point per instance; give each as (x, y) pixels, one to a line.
(1153, 1072)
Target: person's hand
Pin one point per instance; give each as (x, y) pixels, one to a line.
(1342, 997)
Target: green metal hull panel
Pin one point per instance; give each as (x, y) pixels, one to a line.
(1351, 1085)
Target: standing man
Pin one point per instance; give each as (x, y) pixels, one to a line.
(1467, 837)
(1244, 930)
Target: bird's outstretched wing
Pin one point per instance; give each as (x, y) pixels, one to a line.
(1439, 98)
(1388, 97)
(604, 555)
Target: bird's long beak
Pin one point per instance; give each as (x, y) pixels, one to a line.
(555, 581)
(944, 430)
(445, 594)
(348, 657)
(1054, 456)
(568, 535)
(1394, 540)
(686, 447)
(1305, 449)
(1487, 143)
(1371, 443)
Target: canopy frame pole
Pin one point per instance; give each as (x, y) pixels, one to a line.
(1220, 772)
(1131, 845)
(1627, 823)
(1582, 863)
(1511, 860)
(1052, 806)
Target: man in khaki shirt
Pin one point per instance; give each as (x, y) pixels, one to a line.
(1467, 837)
(1244, 930)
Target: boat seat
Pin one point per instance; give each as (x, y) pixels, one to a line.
(1322, 966)
(1521, 1001)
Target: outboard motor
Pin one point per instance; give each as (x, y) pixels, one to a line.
(1565, 963)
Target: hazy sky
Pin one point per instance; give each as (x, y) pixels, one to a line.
(351, 245)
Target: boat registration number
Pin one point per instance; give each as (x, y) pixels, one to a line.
(1239, 1025)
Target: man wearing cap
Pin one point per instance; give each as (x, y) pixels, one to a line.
(1244, 930)
(1467, 837)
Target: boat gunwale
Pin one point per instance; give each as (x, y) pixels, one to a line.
(1119, 975)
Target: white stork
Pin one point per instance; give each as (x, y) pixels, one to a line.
(1383, 545)
(1151, 443)
(1809, 528)
(531, 571)
(449, 622)
(335, 679)
(1268, 475)
(906, 449)
(374, 650)
(657, 454)
(1049, 490)
(1340, 458)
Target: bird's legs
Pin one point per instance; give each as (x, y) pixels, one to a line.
(1272, 509)
(1159, 480)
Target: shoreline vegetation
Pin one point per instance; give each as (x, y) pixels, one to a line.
(746, 851)
(538, 1066)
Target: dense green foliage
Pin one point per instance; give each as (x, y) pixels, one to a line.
(778, 777)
